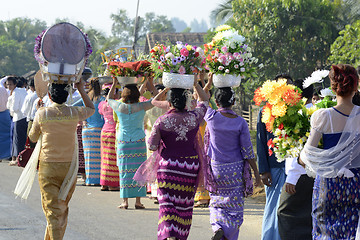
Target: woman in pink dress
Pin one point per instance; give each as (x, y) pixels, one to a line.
(109, 174)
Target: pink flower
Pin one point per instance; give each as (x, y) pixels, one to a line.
(237, 55)
(236, 66)
(182, 70)
(227, 70)
(224, 49)
(184, 52)
(222, 59)
(229, 56)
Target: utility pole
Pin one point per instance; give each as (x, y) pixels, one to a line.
(136, 29)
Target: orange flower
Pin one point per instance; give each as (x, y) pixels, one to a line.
(291, 97)
(258, 97)
(269, 124)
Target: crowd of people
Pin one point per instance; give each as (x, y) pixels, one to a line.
(120, 143)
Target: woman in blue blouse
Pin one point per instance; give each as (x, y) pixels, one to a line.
(130, 139)
(91, 134)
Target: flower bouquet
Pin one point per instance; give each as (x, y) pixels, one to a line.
(286, 116)
(229, 57)
(129, 72)
(177, 64)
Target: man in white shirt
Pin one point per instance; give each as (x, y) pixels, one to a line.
(294, 212)
(28, 105)
(14, 104)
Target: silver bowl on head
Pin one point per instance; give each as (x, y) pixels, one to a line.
(175, 80)
(129, 80)
(227, 80)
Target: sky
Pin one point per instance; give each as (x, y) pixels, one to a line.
(97, 13)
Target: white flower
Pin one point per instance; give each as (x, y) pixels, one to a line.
(320, 74)
(242, 69)
(236, 66)
(200, 51)
(316, 77)
(277, 132)
(216, 54)
(169, 55)
(221, 68)
(227, 70)
(308, 81)
(248, 49)
(326, 92)
(179, 46)
(241, 63)
(261, 65)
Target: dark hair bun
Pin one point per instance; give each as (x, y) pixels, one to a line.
(224, 97)
(344, 79)
(177, 98)
(58, 93)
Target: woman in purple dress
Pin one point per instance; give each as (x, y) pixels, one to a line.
(231, 152)
(174, 137)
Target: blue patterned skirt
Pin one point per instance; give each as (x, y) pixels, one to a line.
(130, 155)
(92, 154)
(336, 205)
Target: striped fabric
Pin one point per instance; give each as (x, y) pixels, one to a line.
(130, 155)
(92, 155)
(81, 149)
(176, 189)
(109, 175)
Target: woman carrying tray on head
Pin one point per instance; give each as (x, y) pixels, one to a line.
(57, 125)
(130, 139)
(176, 162)
(228, 145)
(109, 175)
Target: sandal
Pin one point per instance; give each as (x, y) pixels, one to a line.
(123, 206)
(104, 188)
(13, 163)
(141, 206)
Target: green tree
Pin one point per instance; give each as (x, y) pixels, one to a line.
(346, 48)
(289, 36)
(123, 26)
(17, 45)
(222, 13)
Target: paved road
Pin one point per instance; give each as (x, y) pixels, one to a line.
(94, 215)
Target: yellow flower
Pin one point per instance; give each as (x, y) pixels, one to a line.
(222, 28)
(279, 109)
(296, 131)
(275, 140)
(311, 110)
(307, 134)
(156, 48)
(218, 36)
(266, 115)
(188, 47)
(301, 141)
